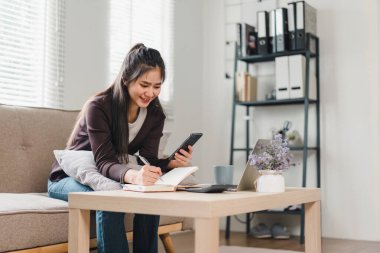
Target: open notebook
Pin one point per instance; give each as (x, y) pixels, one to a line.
(168, 182)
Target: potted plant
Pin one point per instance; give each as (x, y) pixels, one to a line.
(271, 161)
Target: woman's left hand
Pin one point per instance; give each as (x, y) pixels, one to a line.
(181, 159)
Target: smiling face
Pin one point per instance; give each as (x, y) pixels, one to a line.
(146, 88)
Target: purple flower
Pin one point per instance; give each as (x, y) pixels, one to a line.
(275, 156)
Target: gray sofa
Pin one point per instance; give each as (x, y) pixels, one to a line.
(29, 220)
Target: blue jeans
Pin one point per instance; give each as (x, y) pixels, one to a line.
(110, 230)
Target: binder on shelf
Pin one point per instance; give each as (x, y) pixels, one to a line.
(297, 78)
(306, 22)
(292, 25)
(248, 40)
(262, 32)
(281, 28)
(282, 78)
(272, 31)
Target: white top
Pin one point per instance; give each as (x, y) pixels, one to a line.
(135, 127)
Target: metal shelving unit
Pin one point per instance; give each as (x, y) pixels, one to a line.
(305, 101)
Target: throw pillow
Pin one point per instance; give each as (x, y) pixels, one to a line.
(80, 165)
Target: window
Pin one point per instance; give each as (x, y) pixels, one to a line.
(31, 52)
(150, 22)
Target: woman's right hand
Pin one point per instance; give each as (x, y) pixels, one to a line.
(147, 175)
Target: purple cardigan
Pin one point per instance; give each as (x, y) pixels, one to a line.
(95, 134)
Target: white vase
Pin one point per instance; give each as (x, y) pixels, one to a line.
(270, 181)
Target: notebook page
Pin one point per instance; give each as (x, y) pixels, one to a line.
(175, 176)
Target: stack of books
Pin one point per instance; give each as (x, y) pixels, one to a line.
(246, 87)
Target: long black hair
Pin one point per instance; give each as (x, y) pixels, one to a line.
(139, 60)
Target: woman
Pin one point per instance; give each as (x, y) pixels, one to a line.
(124, 119)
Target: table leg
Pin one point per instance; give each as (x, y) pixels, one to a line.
(206, 235)
(313, 227)
(79, 230)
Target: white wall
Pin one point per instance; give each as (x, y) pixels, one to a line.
(86, 50)
(350, 118)
(216, 94)
(376, 117)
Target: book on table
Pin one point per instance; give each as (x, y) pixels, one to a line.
(167, 183)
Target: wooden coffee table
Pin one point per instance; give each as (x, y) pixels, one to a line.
(206, 209)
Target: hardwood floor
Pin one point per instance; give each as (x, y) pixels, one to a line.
(184, 243)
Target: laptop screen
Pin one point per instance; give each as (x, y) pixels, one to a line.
(247, 181)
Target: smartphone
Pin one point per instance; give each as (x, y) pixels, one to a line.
(191, 140)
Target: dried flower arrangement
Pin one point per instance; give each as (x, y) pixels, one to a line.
(274, 156)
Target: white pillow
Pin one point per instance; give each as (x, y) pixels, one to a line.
(80, 165)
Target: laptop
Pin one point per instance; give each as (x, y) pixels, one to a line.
(247, 181)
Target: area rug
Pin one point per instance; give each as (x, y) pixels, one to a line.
(236, 249)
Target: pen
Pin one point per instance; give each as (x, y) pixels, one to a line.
(147, 163)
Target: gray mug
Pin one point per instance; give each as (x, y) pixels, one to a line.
(223, 174)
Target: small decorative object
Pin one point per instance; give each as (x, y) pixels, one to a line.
(271, 160)
(294, 139)
(271, 95)
(285, 128)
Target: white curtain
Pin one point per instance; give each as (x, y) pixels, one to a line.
(32, 52)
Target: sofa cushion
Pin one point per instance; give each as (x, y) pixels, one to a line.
(12, 203)
(34, 220)
(32, 229)
(31, 220)
(28, 137)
